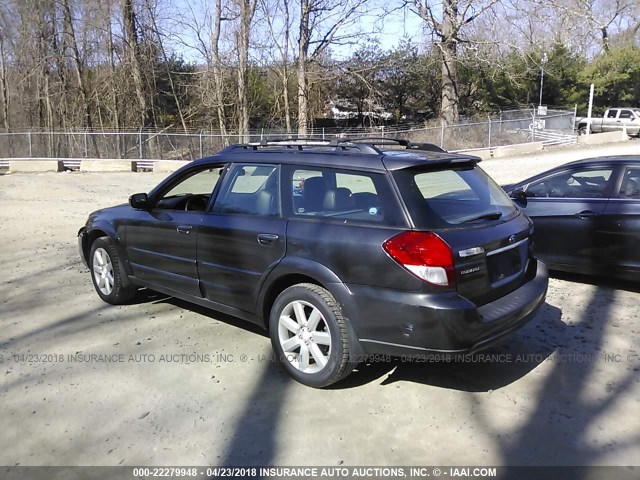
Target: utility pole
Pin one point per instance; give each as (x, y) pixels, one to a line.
(543, 62)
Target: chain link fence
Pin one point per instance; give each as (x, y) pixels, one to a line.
(509, 128)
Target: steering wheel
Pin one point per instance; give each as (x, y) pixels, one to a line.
(196, 202)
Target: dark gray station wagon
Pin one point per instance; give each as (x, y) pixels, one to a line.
(341, 250)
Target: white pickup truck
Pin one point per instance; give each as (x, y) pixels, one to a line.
(612, 120)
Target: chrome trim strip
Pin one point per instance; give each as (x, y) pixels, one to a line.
(508, 247)
(368, 340)
(470, 252)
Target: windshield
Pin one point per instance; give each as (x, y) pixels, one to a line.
(452, 197)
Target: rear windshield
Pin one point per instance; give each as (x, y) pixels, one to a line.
(452, 197)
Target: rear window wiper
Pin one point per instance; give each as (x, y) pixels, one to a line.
(484, 216)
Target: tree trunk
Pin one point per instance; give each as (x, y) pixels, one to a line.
(247, 10)
(448, 48)
(114, 91)
(303, 78)
(131, 35)
(165, 57)
(218, 79)
(285, 69)
(4, 86)
(79, 69)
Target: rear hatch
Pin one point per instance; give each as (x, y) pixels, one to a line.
(489, 238)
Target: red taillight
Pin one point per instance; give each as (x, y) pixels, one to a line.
(425, 255)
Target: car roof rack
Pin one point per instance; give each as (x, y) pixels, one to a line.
(294, 144)
(292, 141)
(382, 141)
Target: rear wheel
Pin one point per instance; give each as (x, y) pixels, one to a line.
(106, 274)
(310, 335)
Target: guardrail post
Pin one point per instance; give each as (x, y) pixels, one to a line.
(201, 150)
(140, 142)
(489, 117)
(30, 145)
(86, 153)
(442, 134)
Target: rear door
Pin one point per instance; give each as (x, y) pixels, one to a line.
(243, 239)
(622, 224)
(567, 210)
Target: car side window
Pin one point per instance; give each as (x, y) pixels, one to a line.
(626, 114)
(612, 114)
(340, 195)
(250, 189)
(192, 192)
(572, 184)
(630, 187)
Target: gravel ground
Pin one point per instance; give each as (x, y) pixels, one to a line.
(160, 382)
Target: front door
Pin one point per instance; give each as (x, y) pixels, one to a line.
(567, 210)
(243, 239)
(161, 242)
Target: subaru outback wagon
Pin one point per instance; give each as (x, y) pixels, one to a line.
(341, 250)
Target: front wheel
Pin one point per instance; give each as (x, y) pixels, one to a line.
(310, 336)
(106, 273)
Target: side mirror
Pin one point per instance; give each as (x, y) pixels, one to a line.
(520, 197)
(139, 201)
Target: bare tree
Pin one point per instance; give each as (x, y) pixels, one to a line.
(218, 74)
(247, 12)
(4, 74)
(132, 46)
(448, 29)
(281, 38)
(600, 17)
(320, 25)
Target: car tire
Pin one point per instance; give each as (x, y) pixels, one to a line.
(310, 335)
(106, 273)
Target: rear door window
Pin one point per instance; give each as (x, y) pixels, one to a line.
(341, 195)
(630, 187)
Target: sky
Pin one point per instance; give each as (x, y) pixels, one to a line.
(185, 18)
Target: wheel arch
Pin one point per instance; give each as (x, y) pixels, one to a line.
(289, 272)
(276, 287)
(106, 230)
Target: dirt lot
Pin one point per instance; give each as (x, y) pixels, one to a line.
(160, 382)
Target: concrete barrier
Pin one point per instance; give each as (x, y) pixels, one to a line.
(484, 154)
(606, 137)
(521, 149)
(107, 166)
(168, 165)
(28, 165)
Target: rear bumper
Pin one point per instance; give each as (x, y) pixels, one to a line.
(413, 324)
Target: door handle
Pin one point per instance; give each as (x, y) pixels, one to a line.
(185, 229)
(267, 238)
(586, 214)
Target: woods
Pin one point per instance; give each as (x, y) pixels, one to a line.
(290, 65)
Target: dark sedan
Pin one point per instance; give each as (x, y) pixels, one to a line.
(586, 215)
